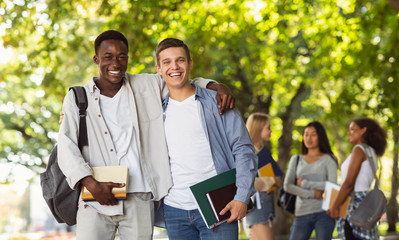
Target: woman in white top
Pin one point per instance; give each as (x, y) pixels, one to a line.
(357, 175)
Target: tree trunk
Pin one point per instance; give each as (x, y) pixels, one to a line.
(284, 219)
(392, 212)
(394, 3)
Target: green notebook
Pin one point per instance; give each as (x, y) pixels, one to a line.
(200, 190)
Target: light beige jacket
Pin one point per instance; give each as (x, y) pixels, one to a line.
(145, 94)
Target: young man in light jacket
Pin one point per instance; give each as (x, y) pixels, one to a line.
(124, 127)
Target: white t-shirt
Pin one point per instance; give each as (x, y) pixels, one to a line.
(365, 176)
(118, 118)
(189, 151)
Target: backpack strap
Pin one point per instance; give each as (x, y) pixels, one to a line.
(370, 157)
(296, 166)
(297, 161)
(81, 102)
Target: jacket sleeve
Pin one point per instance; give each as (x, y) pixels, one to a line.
(202, 82)
(70, 159)
(244, 154)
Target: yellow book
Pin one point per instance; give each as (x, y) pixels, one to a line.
(116, 174)
(267, 171)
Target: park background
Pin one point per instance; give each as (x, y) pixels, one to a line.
(297, 60)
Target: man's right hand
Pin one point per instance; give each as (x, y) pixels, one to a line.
(101, 191)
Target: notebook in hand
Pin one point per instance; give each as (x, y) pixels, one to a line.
(116, 174)
(219, 198)
(265, 157)
(267, 171)
(200, 190)
(215, 183)
(330, 194)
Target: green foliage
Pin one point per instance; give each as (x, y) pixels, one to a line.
(297, 60)
(337, 57)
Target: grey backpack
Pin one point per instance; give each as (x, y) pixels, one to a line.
(60, 198)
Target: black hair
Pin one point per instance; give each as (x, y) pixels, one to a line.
(324, 144)
(109, 35)
(171, 42)
(375, 136)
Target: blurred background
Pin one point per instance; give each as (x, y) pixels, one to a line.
(297, 60)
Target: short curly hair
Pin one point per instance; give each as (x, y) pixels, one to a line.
(109, 35)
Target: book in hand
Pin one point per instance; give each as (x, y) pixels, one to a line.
(265, 158)
(267, 171)
(219, 198)
(215, 186)
(330, 194)
(116, 174)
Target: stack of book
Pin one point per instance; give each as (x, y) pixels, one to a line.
(330, 194)
(213, 194)
(267, 177)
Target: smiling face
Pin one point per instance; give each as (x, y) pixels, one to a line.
(174, 67)
(310, 138)
(112, 60)
(355, 133)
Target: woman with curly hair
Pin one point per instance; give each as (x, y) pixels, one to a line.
(357, 175)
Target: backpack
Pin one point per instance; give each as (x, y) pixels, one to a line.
(60, 198)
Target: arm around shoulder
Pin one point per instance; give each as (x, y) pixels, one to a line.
(203, 82)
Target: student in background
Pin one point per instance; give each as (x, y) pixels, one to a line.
(260, 220)
(357, 174)
(316, 165)
(201, 143)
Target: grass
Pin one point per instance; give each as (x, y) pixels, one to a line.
(382, 229)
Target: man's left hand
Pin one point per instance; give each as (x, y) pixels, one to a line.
(224, 96)
(237, 209)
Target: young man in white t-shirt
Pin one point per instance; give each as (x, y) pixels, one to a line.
(201, 144)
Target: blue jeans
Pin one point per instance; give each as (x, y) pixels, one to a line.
(183, 225)
(304, 225)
